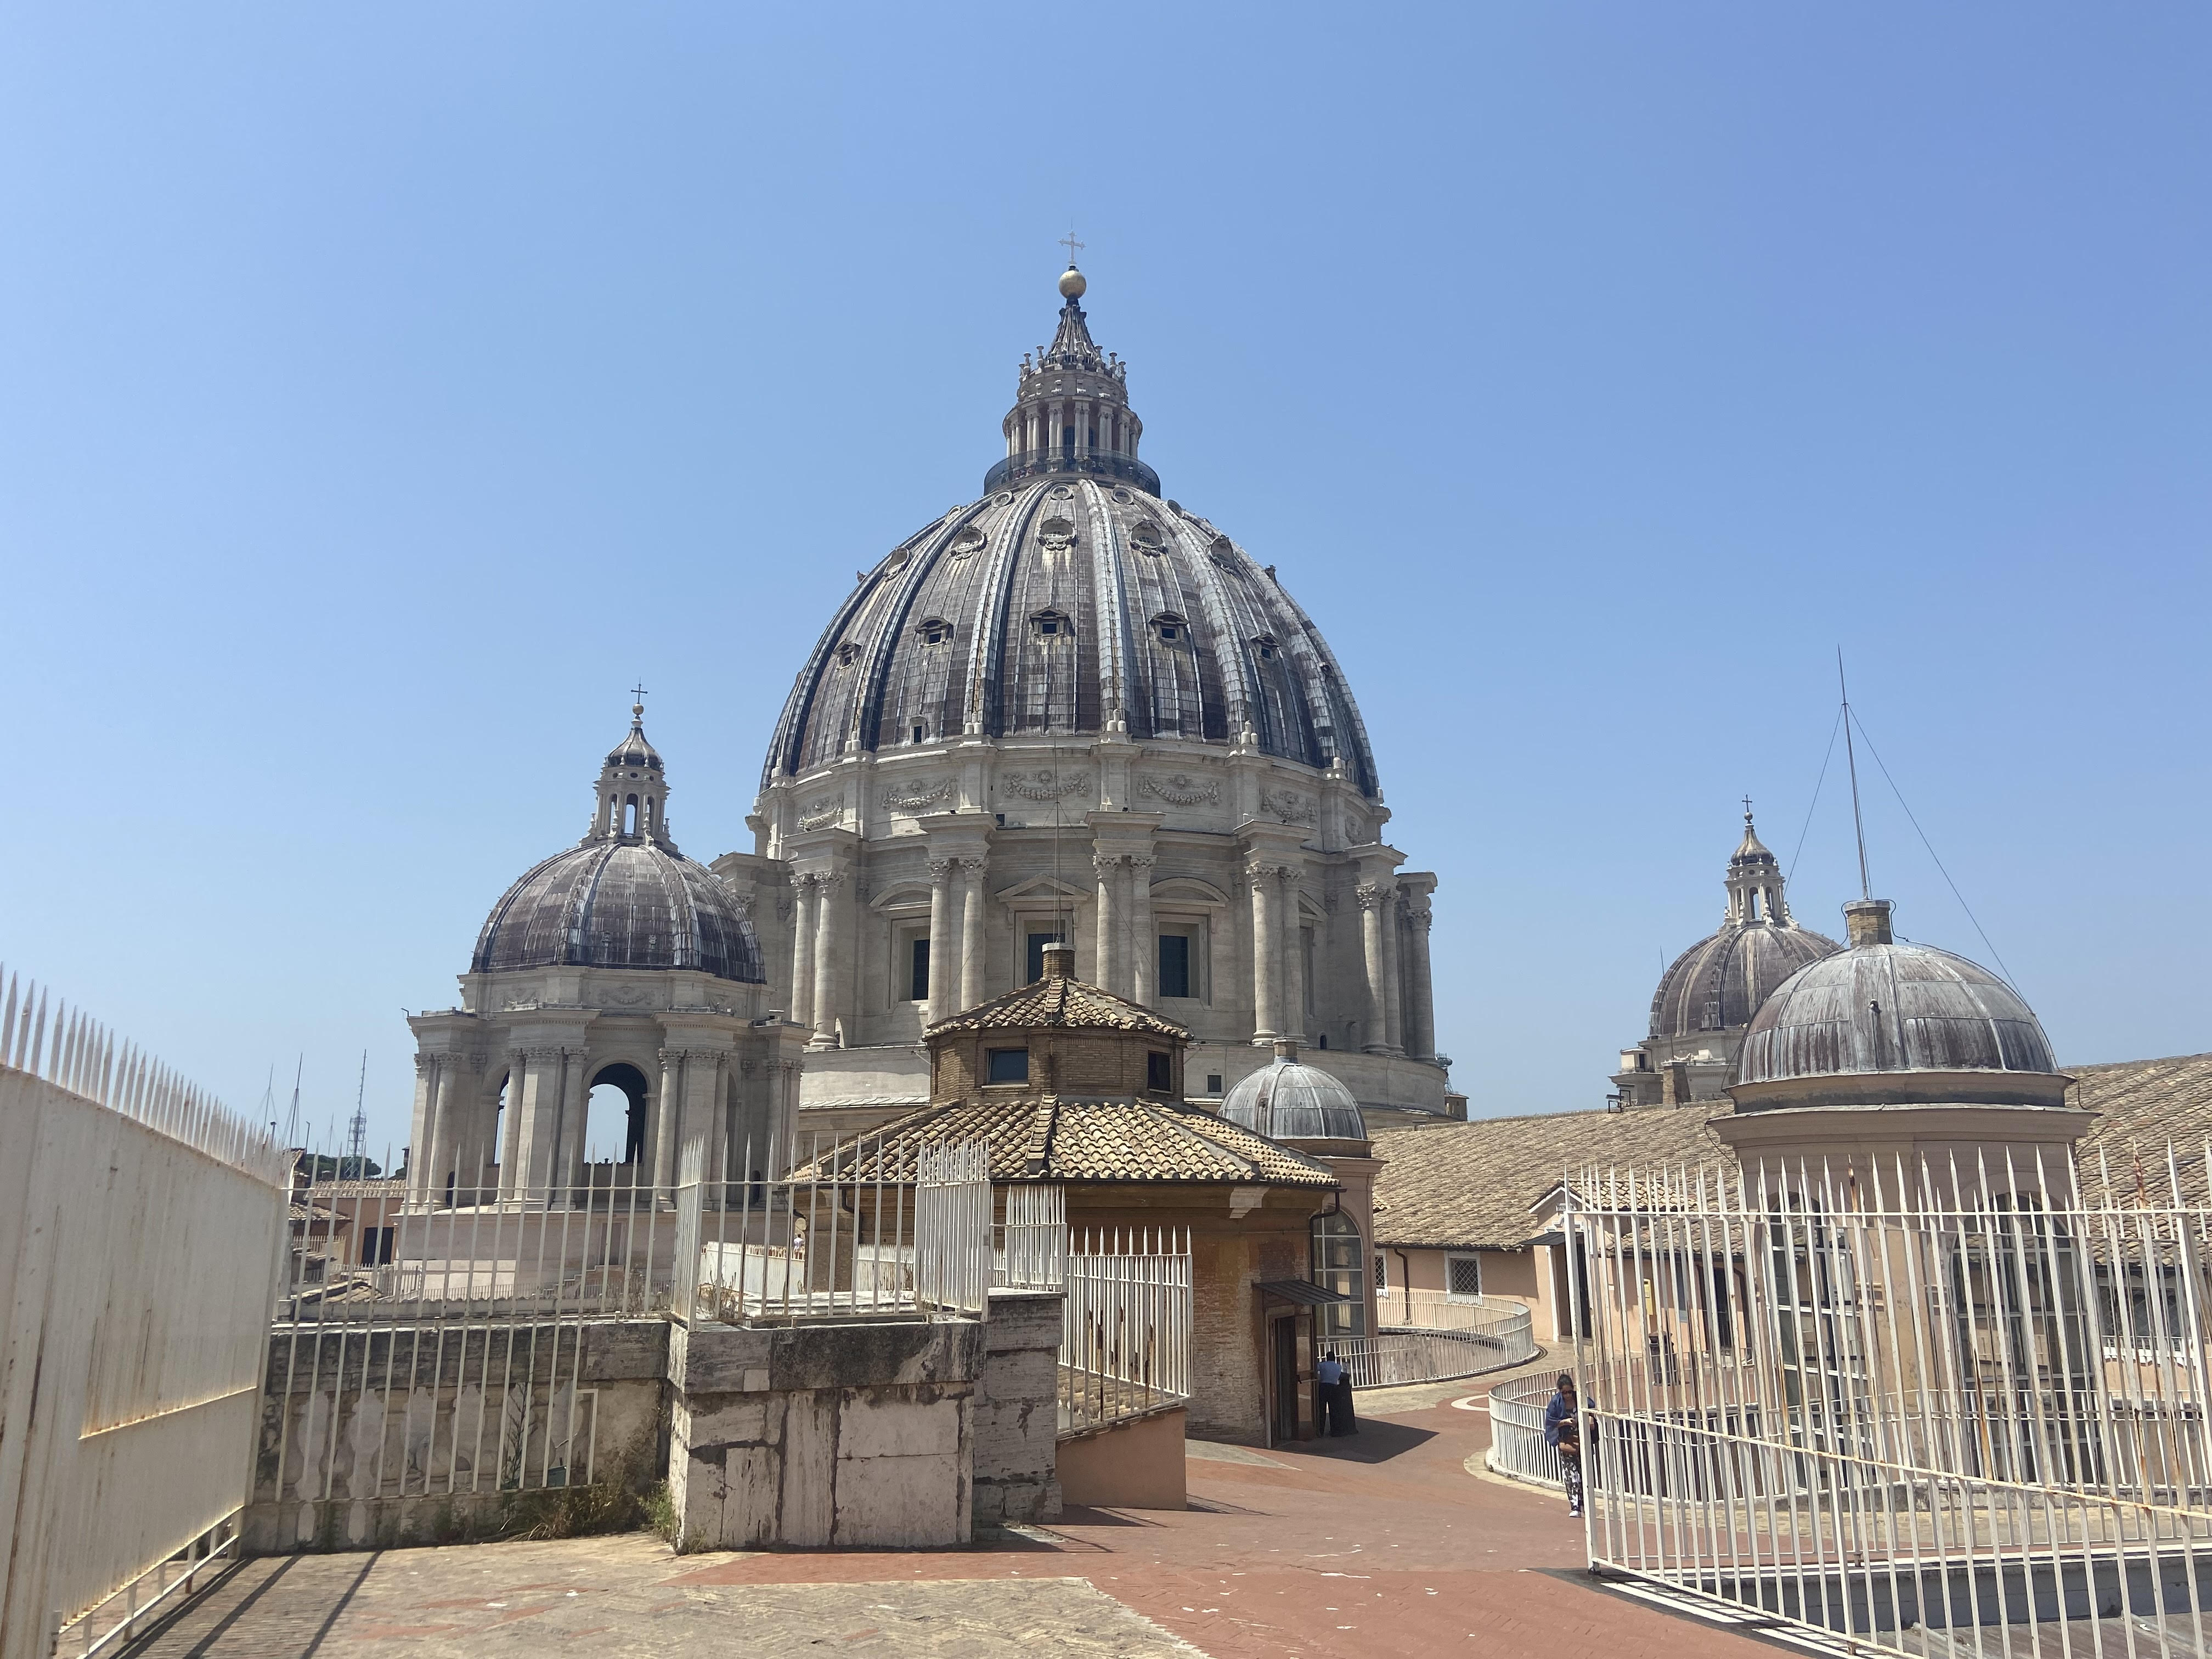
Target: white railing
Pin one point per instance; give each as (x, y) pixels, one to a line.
(1033, 1242)
(1125, 1330)
(1404, 1309)
(867, 1227)
(148, 1223)
(1904, 1404)
(1517, 1447)
(1393, 1359)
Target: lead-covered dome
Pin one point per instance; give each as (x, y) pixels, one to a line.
(619, 904)
(1927, 1025)
(623, 896)
(1072, 599)
(1290, 1101)
(1719, 982)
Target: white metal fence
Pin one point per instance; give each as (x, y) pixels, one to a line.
(1033, 1247)
(1395, 1358)
(1125, 1330)
(863, 1227)
(1517, 1447)
(141, 1234)
(1938, 1411)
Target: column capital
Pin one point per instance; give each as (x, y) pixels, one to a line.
(1373, 895)
(940, 870)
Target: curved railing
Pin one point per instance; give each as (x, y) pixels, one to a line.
(1487, 1338)
(1029, 463)
(1517, 1432)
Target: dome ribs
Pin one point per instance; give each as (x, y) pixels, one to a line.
(1244, 656)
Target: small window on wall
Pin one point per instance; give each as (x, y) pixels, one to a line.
(1175, 964)
(1382, 1271)
(1009, 1065)
(917, 984)
(1158, 1074)
(1213, 1083)
(1463, 1277)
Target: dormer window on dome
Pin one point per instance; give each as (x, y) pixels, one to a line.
(1170, 628)
(1264, 648)
(933, 630)
(1052, 624)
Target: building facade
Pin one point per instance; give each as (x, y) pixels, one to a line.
(1073, 710)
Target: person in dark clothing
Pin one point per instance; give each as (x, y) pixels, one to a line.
(1329, 1375)
(1563, 1434)
(1345, 1422)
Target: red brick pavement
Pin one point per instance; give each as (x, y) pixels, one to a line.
(1369, 1547)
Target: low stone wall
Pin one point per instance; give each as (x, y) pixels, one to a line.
(371, 1439)
(823, 1436)
(1017, 1410)
(1136, 1465)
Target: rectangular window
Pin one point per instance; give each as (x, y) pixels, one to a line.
(1213, 1083)
(917, 990)
(1463, 1276)
(1382, 1273)
(1010, 1066)
(1157, 1076)
(1175, 964)
(1036, 962)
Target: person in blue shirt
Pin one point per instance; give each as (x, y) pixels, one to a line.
(1330, 1374)
(1563, 1434)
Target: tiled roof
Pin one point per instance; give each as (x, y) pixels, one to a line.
(1041, 1138)
(1471, 1184)
(2142, 1104)
(1059, 1001)
(1466, 1184)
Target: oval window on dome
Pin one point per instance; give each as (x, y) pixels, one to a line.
(1224, 553)
(967, 540)
(933, 630)
(1052, 625)
(1123, 496)
(1146, 538)
(1056, 535)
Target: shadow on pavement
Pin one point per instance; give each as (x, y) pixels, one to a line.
(1378, 1441)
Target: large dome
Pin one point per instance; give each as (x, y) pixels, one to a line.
(1886, 1008)
(1071, 599)
(618, 905)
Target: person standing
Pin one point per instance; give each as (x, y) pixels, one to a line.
(1563, 1434)
(1329, 1374)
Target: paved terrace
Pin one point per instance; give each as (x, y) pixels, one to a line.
(1367, 1547)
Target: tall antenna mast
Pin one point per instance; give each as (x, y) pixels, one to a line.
(292, 1123)
(1858, 823)
(357, 1129)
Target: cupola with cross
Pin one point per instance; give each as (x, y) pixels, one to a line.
(633, 801)
(1070, 410)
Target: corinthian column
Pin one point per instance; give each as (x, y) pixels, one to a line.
(1110, 920)
(942, 967)
(805, 899)
(1419, 994)
(1394, 997)
(1266, 953)
(1294, 964)
(1143, 947)
(668, 1119)
(826, 959)
(1373, 898)
(971, 932)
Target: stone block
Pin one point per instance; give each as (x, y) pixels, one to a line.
(750, 1518)
(883, 1423)
(905, 1502)
(625, 1349)
(714, 1359)
(809, 1469)
(724, 1420)
(862, 1356)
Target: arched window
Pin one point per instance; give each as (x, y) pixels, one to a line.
(629, 816)
(1339, 1264)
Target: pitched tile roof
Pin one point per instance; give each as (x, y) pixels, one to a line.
(1055, 1000)
(1462, 1185)
(1046, 1138)
(2142, 1104)
(1471, 1184)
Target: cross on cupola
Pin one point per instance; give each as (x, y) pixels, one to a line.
(1072, 411)
(632, 792)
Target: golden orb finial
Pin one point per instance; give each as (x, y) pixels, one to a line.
(1071, 284)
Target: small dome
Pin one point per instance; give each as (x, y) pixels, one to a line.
(1072, 284)
(633, 751)
(1888, 1008)
(1719, 982)
(619, 904)
(1289, 1101)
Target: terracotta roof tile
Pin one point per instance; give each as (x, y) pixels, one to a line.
(1041, 1138)
(1059, 1001)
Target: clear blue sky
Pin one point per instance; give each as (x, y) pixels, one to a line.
(387, 387)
